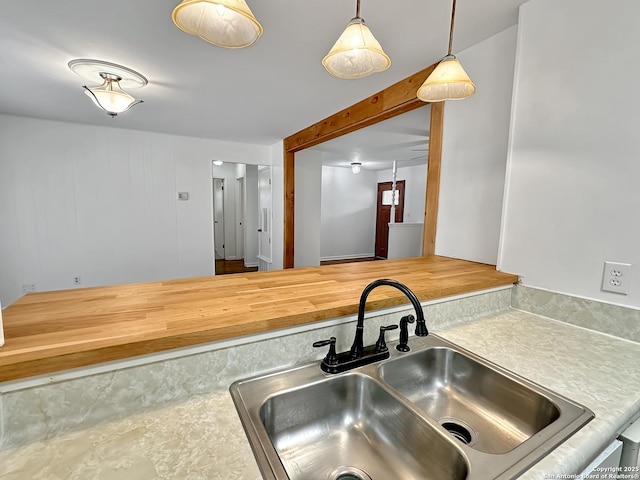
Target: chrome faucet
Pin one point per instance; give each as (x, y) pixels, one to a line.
(360, 355)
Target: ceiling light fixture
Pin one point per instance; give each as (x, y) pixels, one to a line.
(225, 23)
(448, 81)
(109, 95)
(356, 167)
(357, 53)
(217, 163)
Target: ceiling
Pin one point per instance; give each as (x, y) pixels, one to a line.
(260, 94)
(404, 139)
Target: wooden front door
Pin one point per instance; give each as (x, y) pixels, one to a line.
(383, 214)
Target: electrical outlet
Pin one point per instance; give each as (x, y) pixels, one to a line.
(28, 287)
(76, 280)
(616, 277)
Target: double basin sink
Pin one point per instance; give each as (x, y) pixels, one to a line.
(438, 412)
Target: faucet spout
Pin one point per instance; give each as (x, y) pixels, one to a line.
(357, 349)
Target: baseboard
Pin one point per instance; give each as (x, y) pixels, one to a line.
(347, 257)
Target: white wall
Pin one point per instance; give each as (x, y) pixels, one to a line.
(415, 188)
(405, 240)
(308, 192)
(100, 203)
(348, 213)
(573, 194)
(277, 198)
(474, 154)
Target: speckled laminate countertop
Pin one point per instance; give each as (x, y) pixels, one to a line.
(202, 438)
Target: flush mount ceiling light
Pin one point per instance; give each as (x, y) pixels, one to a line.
(448, 81)
(217, 163)
(357, 53)
(356, 167)
(225, 23)
(109, 95)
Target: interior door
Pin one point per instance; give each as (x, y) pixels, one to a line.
(218, 217)
(240, 240)
(264, 214)
(383, 214)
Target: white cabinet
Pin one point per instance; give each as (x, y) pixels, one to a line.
(606, 464)
(631, 450)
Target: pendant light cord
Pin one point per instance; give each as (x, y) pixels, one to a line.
(453, 16)
(358, 9)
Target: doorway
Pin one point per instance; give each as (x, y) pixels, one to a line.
(218, 218)
(383, 214)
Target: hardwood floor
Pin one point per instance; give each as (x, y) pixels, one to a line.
(224, 267)
(349, 260)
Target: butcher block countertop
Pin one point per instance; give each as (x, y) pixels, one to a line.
(53, 331)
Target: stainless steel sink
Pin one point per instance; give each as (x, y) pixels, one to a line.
(349, 426)
(482, 407)
(438, 412)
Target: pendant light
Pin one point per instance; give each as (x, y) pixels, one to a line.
(109, 96)
(357, 53)
(225, 23)
(448, 81)
(355, 167)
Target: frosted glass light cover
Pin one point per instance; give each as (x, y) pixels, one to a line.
(225, 23)
(110, 97)
(448, 81)
(356, 54)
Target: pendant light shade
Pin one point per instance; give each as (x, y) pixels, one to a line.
(448, 81)
(356, 167)
(225, 23)
(357, 53)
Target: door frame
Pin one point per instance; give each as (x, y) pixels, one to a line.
(239, 220)
(215, 237)
(265, 215)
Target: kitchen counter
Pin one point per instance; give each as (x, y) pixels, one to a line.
(53, 331)
(202, 438)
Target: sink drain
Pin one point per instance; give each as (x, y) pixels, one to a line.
(459, 430)
(349, 473)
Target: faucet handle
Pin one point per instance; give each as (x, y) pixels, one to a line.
(332, 357)
(381, 345)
